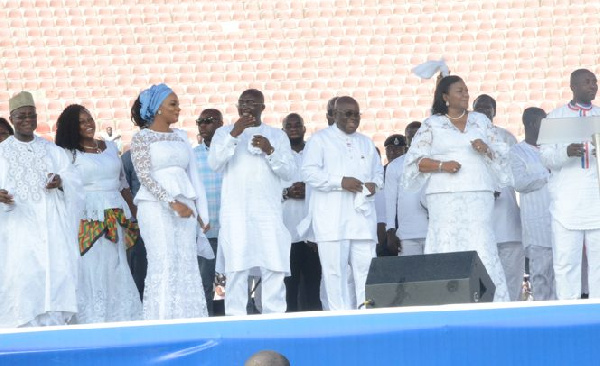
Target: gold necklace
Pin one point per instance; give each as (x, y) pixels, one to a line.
(461, 115)
(96, 148)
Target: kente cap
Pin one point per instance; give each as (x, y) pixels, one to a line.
(22, 99)
(395, 140)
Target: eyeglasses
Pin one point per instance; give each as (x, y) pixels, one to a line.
(22, 117)
(349, 113)
(205, 120)
(250, 103)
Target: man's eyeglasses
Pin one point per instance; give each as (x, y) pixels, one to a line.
(205, 120)
(349, 113)
(249, 103)
(22, 117)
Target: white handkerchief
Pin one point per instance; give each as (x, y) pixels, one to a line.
(363, 203)
(428, 69)
(253, 149)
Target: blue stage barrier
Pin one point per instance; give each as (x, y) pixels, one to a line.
(556, 333)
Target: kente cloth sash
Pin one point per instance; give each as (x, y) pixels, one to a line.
(92, 230)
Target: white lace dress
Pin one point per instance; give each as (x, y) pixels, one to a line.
(165, 165)
(461, 205)
(106, 291)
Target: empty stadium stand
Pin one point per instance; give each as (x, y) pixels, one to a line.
(300, 53)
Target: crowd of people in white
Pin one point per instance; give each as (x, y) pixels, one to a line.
(89, 236)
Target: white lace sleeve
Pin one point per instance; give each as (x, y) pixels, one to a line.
(499, 163)
(140, 156)
(413, 179)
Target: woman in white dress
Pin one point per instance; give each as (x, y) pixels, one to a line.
(171, 208)
(461, 161)
(106, 291)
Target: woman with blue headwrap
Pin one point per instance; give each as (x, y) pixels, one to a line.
(172, 208)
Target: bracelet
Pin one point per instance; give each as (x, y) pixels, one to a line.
(440, 166)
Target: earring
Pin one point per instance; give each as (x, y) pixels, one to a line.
(447, 104)
(159, 112)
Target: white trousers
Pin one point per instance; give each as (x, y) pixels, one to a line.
(541, 272)
(273, 292)
(335, 256)
(512, 257)
(412, 247)
(567, 250)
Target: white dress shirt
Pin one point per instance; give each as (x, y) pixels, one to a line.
(406, 206)
(530, 180)
(575, 198)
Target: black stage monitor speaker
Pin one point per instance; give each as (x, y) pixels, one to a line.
(431, 279)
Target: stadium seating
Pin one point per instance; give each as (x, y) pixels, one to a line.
(103, 52)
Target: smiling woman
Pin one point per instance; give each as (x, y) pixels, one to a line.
(172, 207)
(106, 290)
(459, 158)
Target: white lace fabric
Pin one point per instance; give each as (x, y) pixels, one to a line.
(141, 158)
(28, 172)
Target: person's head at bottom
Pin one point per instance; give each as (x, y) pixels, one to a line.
(267, 358)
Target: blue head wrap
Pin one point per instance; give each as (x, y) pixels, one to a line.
(151, 99)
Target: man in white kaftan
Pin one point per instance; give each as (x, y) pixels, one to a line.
(254, 159)
(574, 196)
(506, 215)
(38, 225)
(343, 170)
(531, 181)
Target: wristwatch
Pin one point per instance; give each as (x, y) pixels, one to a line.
(285, 194)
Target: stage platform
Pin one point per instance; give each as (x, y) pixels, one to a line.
(524, 333)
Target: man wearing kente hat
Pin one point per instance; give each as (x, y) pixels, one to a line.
(40, 194)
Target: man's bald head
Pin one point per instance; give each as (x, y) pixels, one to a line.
(267, 358)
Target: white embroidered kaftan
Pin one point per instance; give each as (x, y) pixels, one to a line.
(106, 291)
(252, 231)
(461, 204)
(165, 165)
(330, 155)
(38, 237)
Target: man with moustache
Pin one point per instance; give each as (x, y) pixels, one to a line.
(344, 171)
(208, 122)
(574, 197)
(254, 158)
(40, 193)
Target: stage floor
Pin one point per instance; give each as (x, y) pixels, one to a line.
(527, 333)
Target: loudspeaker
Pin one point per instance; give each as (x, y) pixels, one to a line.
(430, 279)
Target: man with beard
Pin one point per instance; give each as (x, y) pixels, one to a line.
(344, 171)
(574, 198)
(254, 158)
